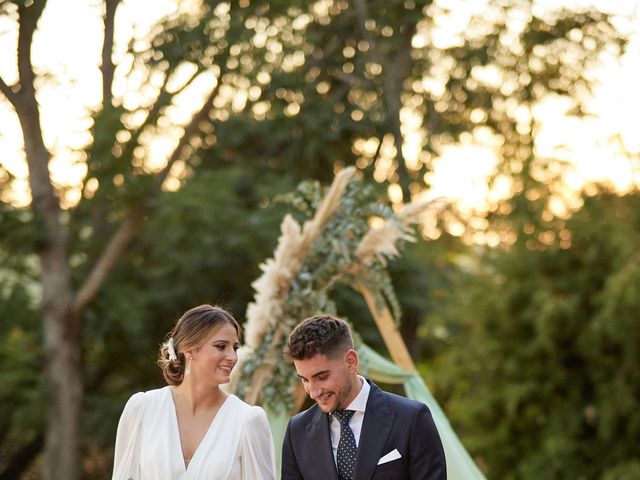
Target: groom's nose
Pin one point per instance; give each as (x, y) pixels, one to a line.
(313, 390)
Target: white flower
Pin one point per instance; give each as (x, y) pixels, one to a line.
(171, 350)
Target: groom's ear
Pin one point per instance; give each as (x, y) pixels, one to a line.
(351, 358)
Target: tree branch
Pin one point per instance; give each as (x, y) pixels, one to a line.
(163, 99)
(108, 68)
(131, 225)
(362, 12)
(28, 19)
(108, 259)
(190, 130)
(29, 116)
(8, 92)
(395, 71)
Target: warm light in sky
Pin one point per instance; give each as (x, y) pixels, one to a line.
(600, 148)
(603, 148)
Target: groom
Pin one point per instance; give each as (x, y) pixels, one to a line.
(355, 431)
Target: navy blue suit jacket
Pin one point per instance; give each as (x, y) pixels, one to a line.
(390, 422)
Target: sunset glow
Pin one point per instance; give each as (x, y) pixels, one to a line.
(604, 147)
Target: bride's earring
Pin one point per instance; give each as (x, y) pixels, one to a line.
(188, 369)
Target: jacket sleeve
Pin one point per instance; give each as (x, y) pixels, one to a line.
(427, 460)
(290, 470)
(126, 465)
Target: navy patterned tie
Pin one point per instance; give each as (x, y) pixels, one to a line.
(347, 449)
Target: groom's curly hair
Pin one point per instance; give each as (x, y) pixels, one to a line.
(320, 334)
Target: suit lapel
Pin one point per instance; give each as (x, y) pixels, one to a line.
(376, 426)
(318, 446)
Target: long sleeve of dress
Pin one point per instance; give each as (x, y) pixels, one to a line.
(126, 463)
(257, 451)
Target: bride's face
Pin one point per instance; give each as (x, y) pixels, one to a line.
(215, 359)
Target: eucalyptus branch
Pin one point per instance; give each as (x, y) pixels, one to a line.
(334, 254)
(265, 371)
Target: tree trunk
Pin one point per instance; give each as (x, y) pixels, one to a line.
(64, 372)
(61, 326)
(396, 68)
(62, 308)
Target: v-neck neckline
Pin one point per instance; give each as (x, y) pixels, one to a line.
(185, 468)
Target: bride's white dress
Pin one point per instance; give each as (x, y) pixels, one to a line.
(237, 446)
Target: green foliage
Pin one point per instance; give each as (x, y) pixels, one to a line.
(541, 374)
(19, 238)
(203, 245)
(21, 361)
(22, 417)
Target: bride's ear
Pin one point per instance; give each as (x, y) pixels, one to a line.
(193, 353)
(189, 355)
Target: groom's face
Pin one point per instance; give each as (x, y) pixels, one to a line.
(331, 381)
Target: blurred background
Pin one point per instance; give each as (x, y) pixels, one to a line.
(145, 145)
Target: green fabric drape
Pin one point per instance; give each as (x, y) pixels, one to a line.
(460, 466)
(278, 422)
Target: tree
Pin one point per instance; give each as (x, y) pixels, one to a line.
(294, 87)
(545, 350)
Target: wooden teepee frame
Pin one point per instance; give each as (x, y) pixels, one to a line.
(267, 318)
(389, 331)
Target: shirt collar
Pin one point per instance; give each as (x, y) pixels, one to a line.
(359, 404)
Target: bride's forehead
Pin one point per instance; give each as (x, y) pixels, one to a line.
(224, 332)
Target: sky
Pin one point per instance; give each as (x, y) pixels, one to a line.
(597, 146)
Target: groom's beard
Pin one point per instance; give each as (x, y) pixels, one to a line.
(331, 400)
(327, 402)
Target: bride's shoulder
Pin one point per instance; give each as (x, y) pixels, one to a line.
(251, 411)
(137, 400)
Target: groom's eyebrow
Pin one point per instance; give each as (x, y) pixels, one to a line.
(317, 374)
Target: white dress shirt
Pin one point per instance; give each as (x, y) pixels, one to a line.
(359, 404)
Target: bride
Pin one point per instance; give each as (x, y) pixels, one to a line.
(191, 429)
